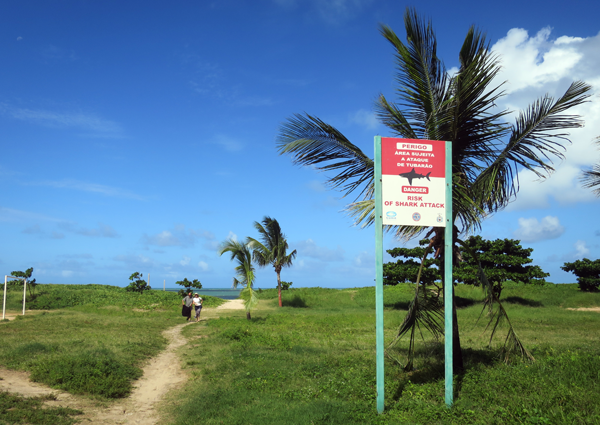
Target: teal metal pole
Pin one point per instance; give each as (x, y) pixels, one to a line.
(448, 289)
(379, 277)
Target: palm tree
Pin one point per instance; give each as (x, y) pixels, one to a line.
(242, 254)
(487, 153)
(591, 178)
(272, 249)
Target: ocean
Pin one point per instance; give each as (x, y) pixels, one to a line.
(224, 293)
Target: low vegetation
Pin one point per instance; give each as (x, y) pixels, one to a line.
(15, 409)
(88, 339)
(314, 362)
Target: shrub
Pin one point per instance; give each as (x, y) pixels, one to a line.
(93, 373)
(587, 272)
(138, 284)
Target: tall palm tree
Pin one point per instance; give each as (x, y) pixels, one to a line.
(487, 152)
(272, 248)
(591, 178)
(242, 254)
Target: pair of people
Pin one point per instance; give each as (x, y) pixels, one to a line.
(187, 304)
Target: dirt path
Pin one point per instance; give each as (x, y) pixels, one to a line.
(596, 309)
(161, 374)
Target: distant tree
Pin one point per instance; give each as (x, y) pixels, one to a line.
(26, 275)
(587, 272)
(285, 285)
(500, 259)
(137, 284)
(272, 248)
(242, 254)
(407, 270)
(188, 286)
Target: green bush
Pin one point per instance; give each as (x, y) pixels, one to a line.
(92, 372)
(15, 409)
(587, 272)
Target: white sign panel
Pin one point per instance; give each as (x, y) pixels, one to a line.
(413, 186)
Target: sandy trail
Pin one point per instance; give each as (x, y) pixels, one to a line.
(160, 375)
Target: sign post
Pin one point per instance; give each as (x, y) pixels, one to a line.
(379, 278)
(413, 187)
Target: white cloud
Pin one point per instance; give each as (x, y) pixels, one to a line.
(103, 230)
(365, 118)
(53, 119)
(228, 143)
(32, 230)
(134, 262)
(532, 230)
(336, 11)
(178, 236)
(539, 65)
(13, 215)
(185, 261)
(232, 236)
(581, 249)
(203, 266)
(365, 259)
(90, 187)
(309, 248)
(534, 61)
(316, 186)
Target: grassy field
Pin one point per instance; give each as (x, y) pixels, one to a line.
(313, 361)
(85, 339)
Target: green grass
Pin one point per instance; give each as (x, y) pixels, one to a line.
(313, 362)
(52, 296)
(90, 339)
(19, 410)
(85, 350)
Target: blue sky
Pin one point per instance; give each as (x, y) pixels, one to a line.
(137, 136)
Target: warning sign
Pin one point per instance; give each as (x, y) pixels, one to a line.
(413, 186)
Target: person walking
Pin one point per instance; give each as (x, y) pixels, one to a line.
(187, 302)
(198, 306)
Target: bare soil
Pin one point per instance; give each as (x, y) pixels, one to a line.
(596, 309)
(161, 375)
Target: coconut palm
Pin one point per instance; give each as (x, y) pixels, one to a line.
(272, 249)
(242, 254)
(591, 178)
(487, 152)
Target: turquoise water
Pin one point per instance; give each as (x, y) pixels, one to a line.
(224, 293)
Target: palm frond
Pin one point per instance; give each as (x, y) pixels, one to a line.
(312, 142)
(421, 77)
(591, 178)
(248, 294)
(536, 140)
(496, 313)
(424, 311)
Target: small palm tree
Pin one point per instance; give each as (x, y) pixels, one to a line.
(242, 254)
(591, 178)
(272, 249)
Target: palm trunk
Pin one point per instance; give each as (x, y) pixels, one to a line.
(457, 357)
(248, 315)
